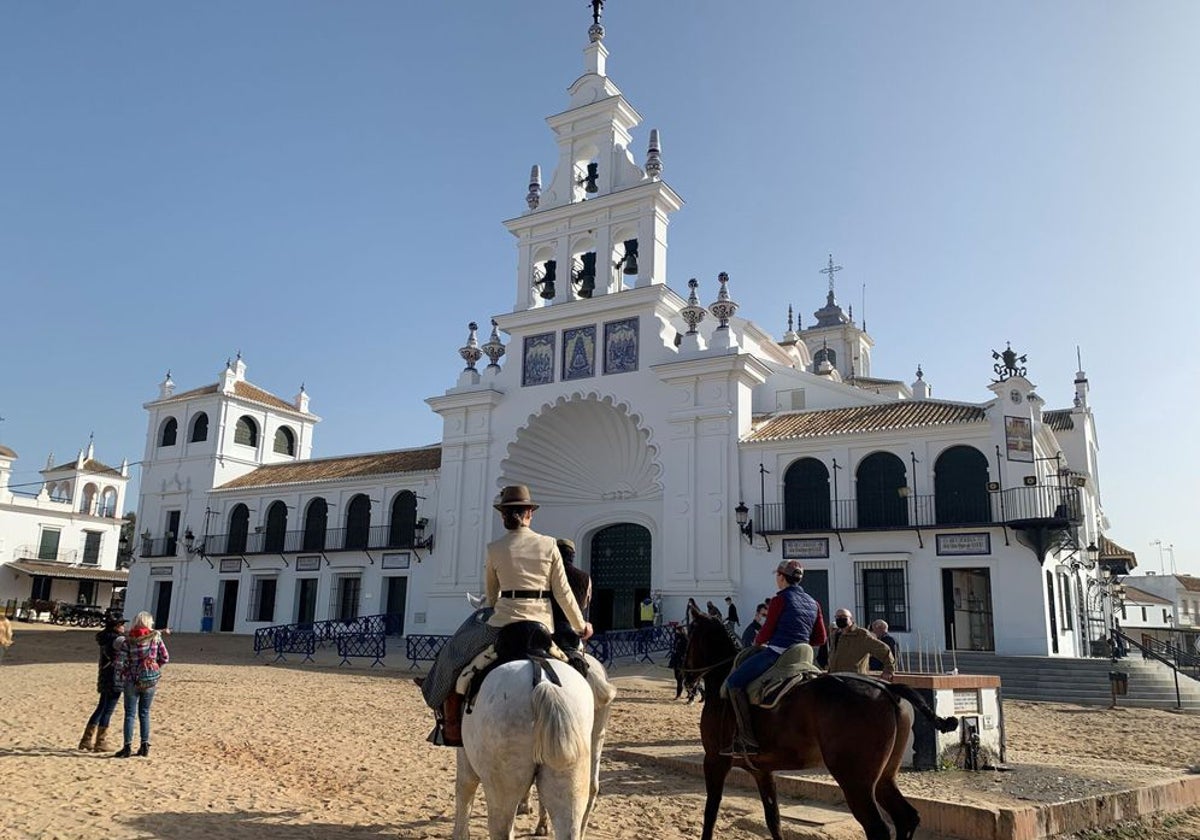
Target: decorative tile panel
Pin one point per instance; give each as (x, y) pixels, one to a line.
(579, 353)
(538, 364)
(621, 346)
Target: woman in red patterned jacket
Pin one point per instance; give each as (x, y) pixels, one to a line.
(136, 671)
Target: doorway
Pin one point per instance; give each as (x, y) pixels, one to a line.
(816, 583)
(229, 596)
(394, 599)
(306, 601)
(346, 598)
(162, 603)
(620, 567)
(967, 608)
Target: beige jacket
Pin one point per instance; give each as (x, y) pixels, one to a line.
(853, 648)
(525, 559)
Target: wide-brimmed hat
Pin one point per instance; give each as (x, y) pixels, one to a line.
(112, 622)
(515, 495)
(567, 544)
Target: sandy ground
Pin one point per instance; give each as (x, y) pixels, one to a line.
(247, 749)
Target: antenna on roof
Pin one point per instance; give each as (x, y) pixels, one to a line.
(863, 309)
(1078, 358)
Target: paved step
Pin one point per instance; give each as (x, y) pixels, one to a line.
(1083, 681)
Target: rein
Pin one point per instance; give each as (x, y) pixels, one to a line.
(707, 668)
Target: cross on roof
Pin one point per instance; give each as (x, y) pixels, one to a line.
(831, 270)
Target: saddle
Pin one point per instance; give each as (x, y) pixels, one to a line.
(794, 666)
(518, 641)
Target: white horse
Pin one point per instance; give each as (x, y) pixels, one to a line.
(524, 728)
(603, 693)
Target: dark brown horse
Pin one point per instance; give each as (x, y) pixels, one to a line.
(856, 727)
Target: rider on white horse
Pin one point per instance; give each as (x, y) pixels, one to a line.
(523, 571)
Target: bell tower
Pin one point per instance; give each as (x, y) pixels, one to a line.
(600, 225)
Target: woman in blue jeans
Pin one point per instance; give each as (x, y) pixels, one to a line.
(95, 735)
(138, 666)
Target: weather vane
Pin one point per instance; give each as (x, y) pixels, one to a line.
(597, 7)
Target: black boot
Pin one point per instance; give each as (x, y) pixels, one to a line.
(124, 752)
(452, 720)
(144, 749)
(744, 742)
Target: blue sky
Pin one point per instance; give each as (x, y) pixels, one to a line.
(321, 186)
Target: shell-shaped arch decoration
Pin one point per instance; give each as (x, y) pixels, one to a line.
(584, 448)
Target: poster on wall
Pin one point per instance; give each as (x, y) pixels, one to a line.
(621, 346)
(538, 365)
(1018, 434)
(579, 353)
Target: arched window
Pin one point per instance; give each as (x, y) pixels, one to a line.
(285, 441)
(402, 526)
(168, 433)
(239, 528)
(246, 431)
(88, 503)
(108, 502)
(199, 428)
(880, 477)
(316, 518)
(825, 354)
(960, 479)
(358, 522)
(276, 534)
(806, 496)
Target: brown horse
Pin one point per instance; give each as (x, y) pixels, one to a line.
(856, 727)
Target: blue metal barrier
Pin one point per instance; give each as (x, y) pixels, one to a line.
(362, 644)
(423, 648)
(294, 641)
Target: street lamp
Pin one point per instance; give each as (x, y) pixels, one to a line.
(741, 515)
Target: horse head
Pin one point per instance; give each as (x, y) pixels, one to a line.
(710, 645)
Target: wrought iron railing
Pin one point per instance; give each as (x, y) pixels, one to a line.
(298, 542)
(33, 552)
(883, 513)
(1148, 653)
(1184, 660)
(160, 547)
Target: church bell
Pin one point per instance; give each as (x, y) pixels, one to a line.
(630, 258)
(589, 180)
(547, 281)
(587, 275)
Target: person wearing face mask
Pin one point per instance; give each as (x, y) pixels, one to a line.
(851, 648)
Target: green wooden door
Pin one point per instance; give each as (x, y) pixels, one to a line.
(620, 568)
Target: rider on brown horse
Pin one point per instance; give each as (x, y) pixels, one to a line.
(793, 616)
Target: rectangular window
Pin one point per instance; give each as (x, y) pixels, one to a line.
(48, 546)
(1143, 615)
(262, 599)
(1165, 616)
(91, 547)
(884, 592)
(87, 592)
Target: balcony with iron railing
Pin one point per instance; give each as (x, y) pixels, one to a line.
(159, 546)
(34, 552)
(885, 512)
(298, 542)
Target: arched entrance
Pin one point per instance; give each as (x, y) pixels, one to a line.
(620, 560)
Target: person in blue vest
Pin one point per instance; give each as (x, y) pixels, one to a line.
(793, 616)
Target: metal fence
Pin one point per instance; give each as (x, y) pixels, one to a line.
(312, 539)
(925, 511)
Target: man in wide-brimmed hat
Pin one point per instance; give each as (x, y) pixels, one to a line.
(523, 572)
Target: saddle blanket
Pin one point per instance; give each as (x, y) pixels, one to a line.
(794, 666)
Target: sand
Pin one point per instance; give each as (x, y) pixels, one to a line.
(243, 748)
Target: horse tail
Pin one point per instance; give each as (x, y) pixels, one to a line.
(559, 739)
(946, 724)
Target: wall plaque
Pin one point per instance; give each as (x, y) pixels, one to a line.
(961, 544)
(308, 563)
(161, 571)
(396, 560)
(231, 564)
(805, 548)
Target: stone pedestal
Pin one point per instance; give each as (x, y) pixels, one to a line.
(972, 698)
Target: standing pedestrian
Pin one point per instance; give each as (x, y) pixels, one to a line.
(879, 628)
(760, 616)
(6, 638)
(95, 734)
(692, 608)
(731, 618)
(136, 670)
(679, 643)
(658, 612)
(714, 610)
(851, 647)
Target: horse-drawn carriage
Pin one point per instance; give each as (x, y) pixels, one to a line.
(77, 615)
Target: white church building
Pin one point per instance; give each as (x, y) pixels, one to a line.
(684, 448)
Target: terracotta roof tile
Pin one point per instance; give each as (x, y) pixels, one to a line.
(5, 452)
(1191, 584)
(343, 467)
(1108, 548)
(241, 389)
(91, 465)
(906, 414)
(1141, 596)
(49, 568)
(1059, 420)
